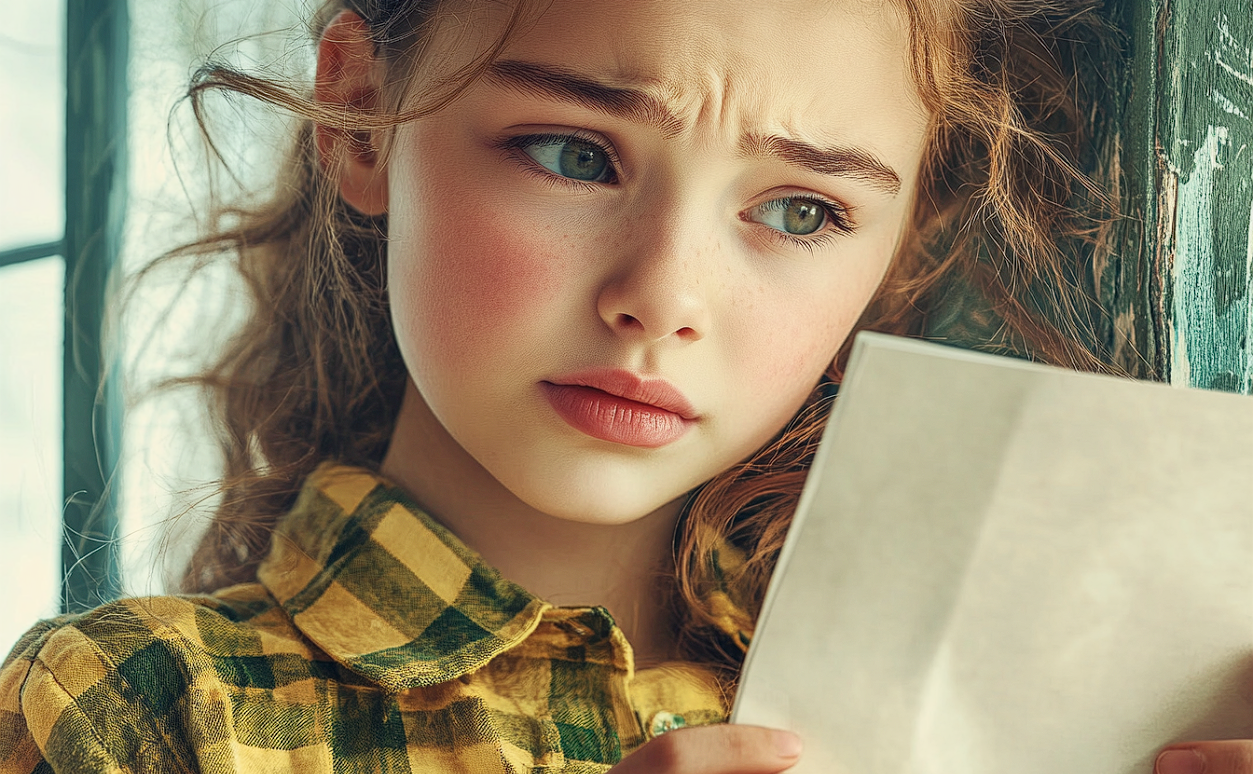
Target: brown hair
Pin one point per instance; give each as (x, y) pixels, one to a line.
(1008, 233)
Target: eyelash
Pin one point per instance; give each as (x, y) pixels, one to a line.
(516, 145)
(839, 223)
(837, 215)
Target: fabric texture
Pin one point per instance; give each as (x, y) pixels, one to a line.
(374, 641)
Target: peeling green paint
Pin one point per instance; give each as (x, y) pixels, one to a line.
(1205, 149)
(1212, 287)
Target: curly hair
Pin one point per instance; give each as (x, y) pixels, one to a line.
(1007, 239)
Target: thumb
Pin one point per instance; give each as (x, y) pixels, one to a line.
(719, 749)
(1232, 756)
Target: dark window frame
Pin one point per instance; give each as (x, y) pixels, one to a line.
(97, 48)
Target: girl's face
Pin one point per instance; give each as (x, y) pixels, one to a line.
(620, 263)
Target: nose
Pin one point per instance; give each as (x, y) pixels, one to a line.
(660, 289)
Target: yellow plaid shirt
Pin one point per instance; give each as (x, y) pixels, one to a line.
(374, 641)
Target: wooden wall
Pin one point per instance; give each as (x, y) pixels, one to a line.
(1183, 293)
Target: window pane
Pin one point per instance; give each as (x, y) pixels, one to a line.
(32, 123)
(169, 457)
(31, 309)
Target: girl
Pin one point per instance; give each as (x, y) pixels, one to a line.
(549, 306)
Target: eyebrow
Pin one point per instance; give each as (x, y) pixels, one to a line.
(565, 85)
(640, 107)
(836, 161)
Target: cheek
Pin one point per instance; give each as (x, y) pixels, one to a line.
(466, 282)
(793, 353)
(790, 344)
(789, 334)
(776, 364)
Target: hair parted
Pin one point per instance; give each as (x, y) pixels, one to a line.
(1009, 234)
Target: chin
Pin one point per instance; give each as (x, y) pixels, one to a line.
(588, 503)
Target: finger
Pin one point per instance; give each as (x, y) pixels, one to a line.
(721, 749)
(1232, 756)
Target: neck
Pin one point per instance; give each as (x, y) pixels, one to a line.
(626, 568)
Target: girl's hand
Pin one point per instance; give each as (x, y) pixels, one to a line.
(731, 749)
(722, 749)
(1233, 756)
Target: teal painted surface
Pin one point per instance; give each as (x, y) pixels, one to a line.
(1205, 189)
(95, 191)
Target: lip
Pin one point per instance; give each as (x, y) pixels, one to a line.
(621, 407)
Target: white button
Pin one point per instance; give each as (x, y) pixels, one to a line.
(666, 721)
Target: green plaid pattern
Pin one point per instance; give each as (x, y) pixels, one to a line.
(375, 641)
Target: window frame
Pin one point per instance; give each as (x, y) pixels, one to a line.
(96, 37)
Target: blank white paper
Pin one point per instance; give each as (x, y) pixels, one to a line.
(1005, 567)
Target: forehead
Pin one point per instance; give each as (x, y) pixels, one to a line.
(822, 70)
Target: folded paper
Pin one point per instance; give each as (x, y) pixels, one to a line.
(998, 566)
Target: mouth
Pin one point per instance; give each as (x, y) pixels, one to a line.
(621, 407)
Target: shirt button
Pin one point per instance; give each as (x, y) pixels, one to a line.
(666, 721)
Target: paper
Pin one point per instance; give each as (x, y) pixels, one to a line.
(1004, 567)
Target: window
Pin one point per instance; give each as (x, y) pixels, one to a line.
(135, 214)
(32, 280)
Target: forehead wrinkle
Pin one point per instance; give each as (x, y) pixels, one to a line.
(569, 86)
(706, 82)
(711, 96)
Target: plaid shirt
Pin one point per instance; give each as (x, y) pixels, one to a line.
(374, 641)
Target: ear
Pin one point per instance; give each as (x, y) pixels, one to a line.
(348, 76)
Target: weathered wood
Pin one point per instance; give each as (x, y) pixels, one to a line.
(95, 188)
(1134, 289)
(1204, 158)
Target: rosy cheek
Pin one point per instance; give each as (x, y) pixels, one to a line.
(798, 362)
(812, 326)
(480, 282)
(793, 349)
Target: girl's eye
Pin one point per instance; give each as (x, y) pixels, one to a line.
(570, 157)
(795, 216)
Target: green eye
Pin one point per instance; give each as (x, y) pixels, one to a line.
(571, 157)
(796, 216)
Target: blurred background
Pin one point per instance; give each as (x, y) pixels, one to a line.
(129, 144)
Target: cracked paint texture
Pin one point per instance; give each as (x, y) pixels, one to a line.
(1206, 154)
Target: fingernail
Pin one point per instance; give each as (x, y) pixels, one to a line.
(787, 744)
(1180, 762)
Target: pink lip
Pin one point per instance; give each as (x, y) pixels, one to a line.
(619, 406)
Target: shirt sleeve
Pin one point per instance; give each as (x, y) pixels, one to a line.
(18, 752)
(42, 728)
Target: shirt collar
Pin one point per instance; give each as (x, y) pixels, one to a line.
(391, 594)
(384, 589)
